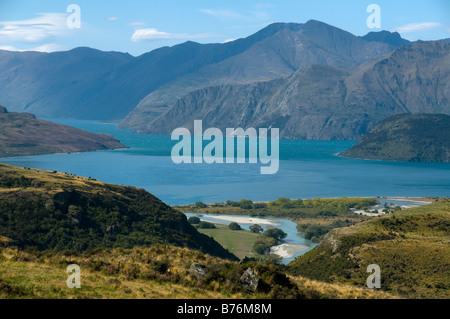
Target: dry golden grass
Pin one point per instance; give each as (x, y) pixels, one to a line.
(130, 274)
(25, 275)
(340, 291)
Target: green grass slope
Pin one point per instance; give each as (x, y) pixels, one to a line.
(51, 210)
(412, 248)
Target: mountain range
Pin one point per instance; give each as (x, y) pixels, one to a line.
(145, 91)
(324, 102)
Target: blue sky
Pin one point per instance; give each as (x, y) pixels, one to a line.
(138, 26)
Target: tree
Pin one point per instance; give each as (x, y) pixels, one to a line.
(234, 226)
(245, 204)
(256, 228)
(194, 220)
(275, 233)
(206, 225)
(200, 204)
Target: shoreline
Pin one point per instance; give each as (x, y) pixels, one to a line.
(418, 200)
(287, 250)
(243, 220)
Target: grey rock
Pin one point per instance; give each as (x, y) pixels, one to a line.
(197, 270)
(249, 280)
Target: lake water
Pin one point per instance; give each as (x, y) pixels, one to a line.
(307, 169)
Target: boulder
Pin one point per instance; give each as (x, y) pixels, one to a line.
(197, 270)
(249, 280)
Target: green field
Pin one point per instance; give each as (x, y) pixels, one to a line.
(238, 242)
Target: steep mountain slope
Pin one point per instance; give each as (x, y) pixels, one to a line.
(24, 134)
(406, 137)
(281, 49)
(60, 84)
(64, 212)
(411, 247)
(324, 102)
(91, 84)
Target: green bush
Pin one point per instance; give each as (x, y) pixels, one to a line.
(194, 220)
(275, 233)
(256, 228)
(245, 204)
(234, 226)
(200, 205)
(206, 225)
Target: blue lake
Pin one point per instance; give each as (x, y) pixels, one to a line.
(307, 169)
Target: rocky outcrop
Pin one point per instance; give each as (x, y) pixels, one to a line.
(197, 270)
(249, 280)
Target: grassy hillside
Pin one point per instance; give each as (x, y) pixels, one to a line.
(159, 271)
(406, 137)
(238, 242)
(23, 134)
(52, 210)
(412, 248)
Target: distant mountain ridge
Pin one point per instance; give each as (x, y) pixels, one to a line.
(84, 83)
(324, 102)
(282, 49)
(23, 134)
(154, 92)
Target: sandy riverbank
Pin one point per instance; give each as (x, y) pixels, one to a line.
(245, 220)
(287, 250)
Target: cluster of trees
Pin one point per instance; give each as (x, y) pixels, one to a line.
(297, 208)
(321, 206)
(315, 232)
(9, 181)
(194, 220)
(271, 237)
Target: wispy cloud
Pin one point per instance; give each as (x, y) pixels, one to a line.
(44, 27)
(50, 47)
(112, 19)
(152, 34)
(418, 27)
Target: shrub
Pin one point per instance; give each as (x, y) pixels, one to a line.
(206, 225)
(245, 204)
(194, 220)
(234, 226)
(275, 233)
(256, 228)
(200, 204)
